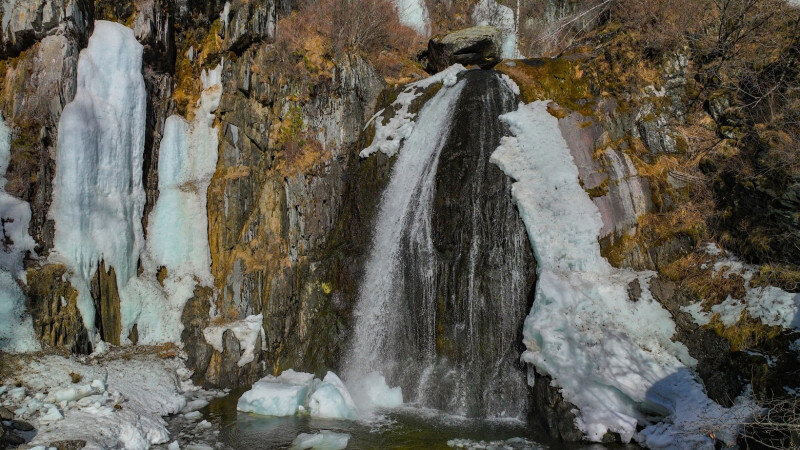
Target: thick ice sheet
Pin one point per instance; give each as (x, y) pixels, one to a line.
(177, 232)
(331, 400)
(98, 198)
(583, 328)
(298, 393)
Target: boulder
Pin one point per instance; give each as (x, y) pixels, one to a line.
(477, 46)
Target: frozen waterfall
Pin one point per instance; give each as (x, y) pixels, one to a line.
(98, 198)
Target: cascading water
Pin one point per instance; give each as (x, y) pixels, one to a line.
(446, 283)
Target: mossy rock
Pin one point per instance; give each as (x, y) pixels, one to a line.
(558, 79)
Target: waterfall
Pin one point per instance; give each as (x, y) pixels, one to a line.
(444, 292)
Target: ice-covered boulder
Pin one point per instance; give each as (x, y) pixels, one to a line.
(324, 440)
(277, 396)
(331, 400)
(299, 392)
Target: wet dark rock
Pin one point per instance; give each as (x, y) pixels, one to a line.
(634, 290)
(5, 414)
(68, 445)
(471, 46)
(550, 412)
(21, 425)
(194, 319)
(271, 226)
(11, 439)
(231, 352)
(479, 238)
(104, 291)
(154, 27)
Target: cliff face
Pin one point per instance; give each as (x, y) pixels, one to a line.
(291, 206)
(285, 140)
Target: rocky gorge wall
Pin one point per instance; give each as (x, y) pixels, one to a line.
(291, 204)
(284, 142)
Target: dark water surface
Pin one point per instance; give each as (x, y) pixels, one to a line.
(404, 428)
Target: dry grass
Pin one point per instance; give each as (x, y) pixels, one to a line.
(711, 286)
(746, 333)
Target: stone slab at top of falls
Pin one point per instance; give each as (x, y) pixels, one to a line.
(450, 269)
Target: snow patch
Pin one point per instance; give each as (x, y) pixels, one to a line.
(389, 136)
(771, 305)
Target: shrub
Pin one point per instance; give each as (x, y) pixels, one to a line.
(366, 26)
(318, 31)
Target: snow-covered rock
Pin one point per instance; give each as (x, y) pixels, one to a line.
(771, 305)
(248, 331)
(391, 134)
(121, 407)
